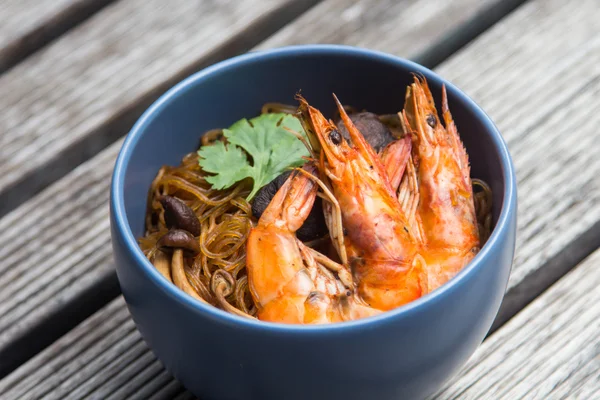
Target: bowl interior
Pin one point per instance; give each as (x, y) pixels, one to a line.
(222, 94)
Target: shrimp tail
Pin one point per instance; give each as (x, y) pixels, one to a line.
(352, 308)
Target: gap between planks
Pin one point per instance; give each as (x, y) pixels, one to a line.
(551, 192)
(550, 125)
(550, 350)
(78, 140)
(81, 93)
(28, 25)
(421, 21)
(44, 267)
(67, 277)
(559, 214)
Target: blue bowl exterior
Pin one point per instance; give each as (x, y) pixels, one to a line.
(406, 353)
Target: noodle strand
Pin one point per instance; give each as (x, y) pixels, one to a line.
(217, 274)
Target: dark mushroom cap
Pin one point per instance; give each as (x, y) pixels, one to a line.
(179, 215)
(375, 132)
(179, 239)
(313, 228)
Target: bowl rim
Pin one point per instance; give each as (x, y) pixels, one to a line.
(215, 314)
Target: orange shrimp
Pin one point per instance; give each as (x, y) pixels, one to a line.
(379, 241)
(394, 158)
(290, 282)
(446, 211)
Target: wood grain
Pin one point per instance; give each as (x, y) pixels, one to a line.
(28, 25)
(79, 94)
(550, 350)
(432, 29)
(87, 347)
(118, 60)
(543, 99)
(59, 242)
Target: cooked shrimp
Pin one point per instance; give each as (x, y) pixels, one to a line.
(394, 158)
(446, 210)
(290, 282)
(380, 243)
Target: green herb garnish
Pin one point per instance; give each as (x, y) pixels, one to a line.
(270, 147)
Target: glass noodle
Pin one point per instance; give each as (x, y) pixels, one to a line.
(218, 273)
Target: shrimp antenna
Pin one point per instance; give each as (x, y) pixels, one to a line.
(337, 216)
(301, 137)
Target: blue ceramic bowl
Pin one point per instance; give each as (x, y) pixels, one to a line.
(407, 353)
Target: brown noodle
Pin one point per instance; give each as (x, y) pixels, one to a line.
(225, 220)
(218, 272)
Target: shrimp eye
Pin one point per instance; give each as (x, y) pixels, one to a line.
(335, 137)
(431, 120)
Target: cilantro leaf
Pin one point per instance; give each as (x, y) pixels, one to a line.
(271, 148)
(218, 159)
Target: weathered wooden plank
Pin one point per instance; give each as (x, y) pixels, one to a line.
(547, 133)
(79, 94)
(27, 25)
(50, 263)
(543, 99)
(94, 337)
(107, 348)
(550, 350)
(432, 30)
(58, 241)
(79, 85)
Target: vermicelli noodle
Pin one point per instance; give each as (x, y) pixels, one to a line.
(225, 220)
(217, 273)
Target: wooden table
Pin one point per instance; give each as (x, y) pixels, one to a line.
(75, 74)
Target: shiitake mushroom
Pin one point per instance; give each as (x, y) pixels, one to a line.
(179, 215)
(375, 132)
(178, 239)
(313, 228)
(179, 244)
